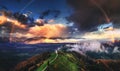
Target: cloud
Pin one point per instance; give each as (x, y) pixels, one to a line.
(89, 13)
(45, 13)
(20, 31)
(3, 7)
(48, 30)
(94, 46)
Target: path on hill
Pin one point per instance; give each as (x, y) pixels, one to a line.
(56, 52)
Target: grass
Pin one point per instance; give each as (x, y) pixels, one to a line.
(45, 63)
(64, 62)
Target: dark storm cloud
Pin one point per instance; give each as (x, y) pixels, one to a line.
(3, 7)
(43, 14)
(55, 13)
(90, 13)
(6, 13)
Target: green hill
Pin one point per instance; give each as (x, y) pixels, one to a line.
(63, 62)
(67, 61)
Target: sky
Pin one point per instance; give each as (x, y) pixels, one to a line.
(38, 6)
(84, 14)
